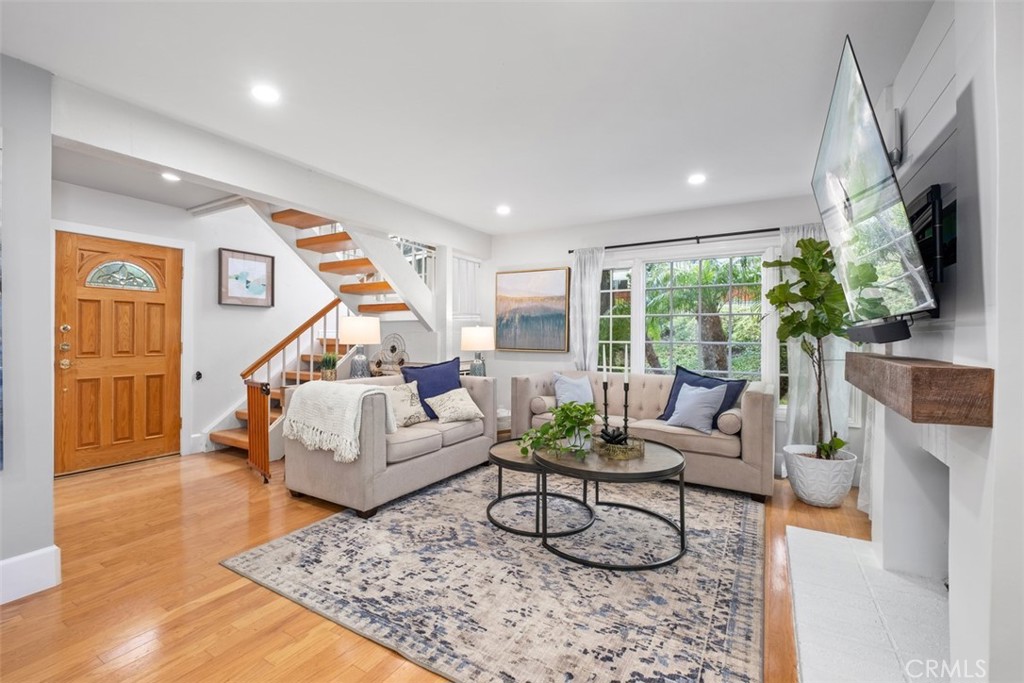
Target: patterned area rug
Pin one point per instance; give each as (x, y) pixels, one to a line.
(432, 579)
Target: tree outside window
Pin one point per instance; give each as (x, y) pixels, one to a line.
(703, 314)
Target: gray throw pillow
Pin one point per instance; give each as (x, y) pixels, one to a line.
(696, 407)
(572, 389)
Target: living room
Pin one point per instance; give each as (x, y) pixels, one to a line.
(91, 118)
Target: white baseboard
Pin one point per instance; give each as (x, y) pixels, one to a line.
(29, 573)
(200, 443)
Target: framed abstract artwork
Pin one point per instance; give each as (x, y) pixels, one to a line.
(246, 279)
(531, 310)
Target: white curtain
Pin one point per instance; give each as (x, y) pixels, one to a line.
(872, 442)
(801, 415)
(585, 306)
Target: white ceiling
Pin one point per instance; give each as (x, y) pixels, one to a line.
(133, 180)
(569, 112)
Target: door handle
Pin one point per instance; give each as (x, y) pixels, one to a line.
(65, 364)
(65, 328)
(64, 347)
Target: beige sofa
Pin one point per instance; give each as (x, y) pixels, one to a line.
(392, 465)
(741, 462)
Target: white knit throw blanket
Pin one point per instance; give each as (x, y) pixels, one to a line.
(326, 415)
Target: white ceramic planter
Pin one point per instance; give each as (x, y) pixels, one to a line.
(823, 483)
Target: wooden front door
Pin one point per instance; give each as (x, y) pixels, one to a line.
(117, 361)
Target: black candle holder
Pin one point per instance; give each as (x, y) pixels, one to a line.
(618, 435)
(625, 408)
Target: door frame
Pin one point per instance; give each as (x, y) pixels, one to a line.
(186, 442)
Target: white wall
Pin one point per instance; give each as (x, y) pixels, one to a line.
(220, 340)
(966, 67)
(28, 559)
(546, 249)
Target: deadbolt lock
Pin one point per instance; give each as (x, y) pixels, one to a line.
(65, 328)
(65, 364)
(64, 346)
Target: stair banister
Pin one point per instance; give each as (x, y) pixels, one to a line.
(258, 392)
(258, 363)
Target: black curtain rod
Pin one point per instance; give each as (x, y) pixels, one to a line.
(695, 238)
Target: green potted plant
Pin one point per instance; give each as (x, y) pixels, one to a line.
(567, 432)
(812, 308)
(328, 366)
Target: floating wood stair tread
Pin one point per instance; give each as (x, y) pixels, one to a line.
(383, 308)
(239, 438)
(301, 375)
(352, 266)
(243, 414)
(327, 244)
(299, 219)
(334, 345)
(925, 391)
(277, 394)
(374, 287)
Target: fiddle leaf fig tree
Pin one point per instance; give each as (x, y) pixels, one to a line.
(811, 308)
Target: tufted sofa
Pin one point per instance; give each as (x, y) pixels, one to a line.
(741, 461)
(392, 465)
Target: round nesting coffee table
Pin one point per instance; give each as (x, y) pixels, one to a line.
(659, 462)
(506, 455)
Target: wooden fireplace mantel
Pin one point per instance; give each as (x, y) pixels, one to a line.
(925, 391)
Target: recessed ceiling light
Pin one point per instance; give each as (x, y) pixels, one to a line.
(696, 179)
(266, 93)
(503, 210)
(170, 177)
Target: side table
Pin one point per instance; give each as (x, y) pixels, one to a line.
(506, 455)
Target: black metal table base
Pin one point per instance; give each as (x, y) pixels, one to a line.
(680, 528)
(536, 494)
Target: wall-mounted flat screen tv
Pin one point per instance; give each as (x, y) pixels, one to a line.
(878, 261)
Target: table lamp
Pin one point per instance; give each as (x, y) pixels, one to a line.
(359, 330)
(478, 339)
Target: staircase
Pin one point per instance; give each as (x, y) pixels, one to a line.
(239, 436)
(372, 275)
(293, 361)
(359, 274)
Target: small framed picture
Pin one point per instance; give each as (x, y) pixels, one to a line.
(246, 279)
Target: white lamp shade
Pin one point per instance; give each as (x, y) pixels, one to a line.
(359, 330)
(478, 338)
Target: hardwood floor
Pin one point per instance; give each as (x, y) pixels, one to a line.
(143, 597)
(782, 510)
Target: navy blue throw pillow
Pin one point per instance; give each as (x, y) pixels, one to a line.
(733, 389)
(434, 380)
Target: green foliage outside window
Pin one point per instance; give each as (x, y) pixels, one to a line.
(704, 314)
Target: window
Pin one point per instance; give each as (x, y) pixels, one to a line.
(696, 305)
(615, 324)
(704, 314)
(120, 275)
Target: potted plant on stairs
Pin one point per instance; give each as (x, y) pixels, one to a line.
(812, 308)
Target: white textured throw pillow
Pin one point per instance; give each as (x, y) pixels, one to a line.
(576, 389)
(455, 406)
(696, 407)
(405, 401)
